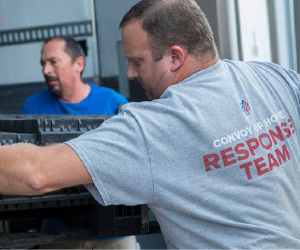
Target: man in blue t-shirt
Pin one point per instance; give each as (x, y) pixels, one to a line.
(63, 61)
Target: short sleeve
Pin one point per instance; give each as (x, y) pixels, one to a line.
(116, 157)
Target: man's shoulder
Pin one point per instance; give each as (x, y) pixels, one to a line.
(256, 65)
(39, 97)
(148, 109)
(36, 103)
(102, 89)
(109, 93)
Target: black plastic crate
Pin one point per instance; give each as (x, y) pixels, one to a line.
(115, 221)
(50, 129)
(12, 138)
(107, 222)
(73, 206)
(89, 216)
(73, 196)
(76, 208)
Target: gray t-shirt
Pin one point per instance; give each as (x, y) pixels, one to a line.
(216, 158)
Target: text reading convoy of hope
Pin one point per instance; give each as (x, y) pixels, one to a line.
(242, 151)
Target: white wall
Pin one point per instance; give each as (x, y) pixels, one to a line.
(20, 63)
(109, 14)
(27, 13)
(255, 32)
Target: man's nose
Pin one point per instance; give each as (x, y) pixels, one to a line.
(47, 69)
(131, 72)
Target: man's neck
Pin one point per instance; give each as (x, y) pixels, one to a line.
(77, 93)
(193, 65)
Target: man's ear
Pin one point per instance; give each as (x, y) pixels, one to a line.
(79, 64)
(178, 57)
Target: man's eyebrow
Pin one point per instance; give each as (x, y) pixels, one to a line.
(133, 58)
(48, 59)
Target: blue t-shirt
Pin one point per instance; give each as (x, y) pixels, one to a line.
(100, 101)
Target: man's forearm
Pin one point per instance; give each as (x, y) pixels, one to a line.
(26, 169)
(17, 169)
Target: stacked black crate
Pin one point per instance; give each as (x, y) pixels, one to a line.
(73, 206)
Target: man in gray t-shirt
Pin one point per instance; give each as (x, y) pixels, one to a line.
(215, 154)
